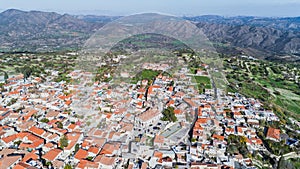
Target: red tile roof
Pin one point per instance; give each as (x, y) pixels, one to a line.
(81, 154)
(37, 131)
(52, 154)
(273, 133)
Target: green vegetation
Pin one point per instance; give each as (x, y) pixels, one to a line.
(273, 83)
(289, 164)
(37, 64)
(76, 148)
(203, 82)
(145, 74)
(151, 41)
(59, 125)
(68, 166)
(89, 158)
(62, 77)
(5, 76)
(169, 115)
(63, 141)
(48, 163)
(17, 142)
(237, 144)
(45, 120)
(277, 148)
(193, 140)
(12, 101)
(27, 71)
(102, 72)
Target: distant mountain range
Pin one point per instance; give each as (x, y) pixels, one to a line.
(269, 38)
(43, 31)
(272, 38)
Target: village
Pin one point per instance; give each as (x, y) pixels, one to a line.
(164, 122)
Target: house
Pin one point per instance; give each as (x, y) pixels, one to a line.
(93, 151)
(23, 165)
(198, 165)
(8, 162)
(144, 165)
(229, 131)
(237, 115)
(159, 141)
(52, 154)
(74, 138)
(110, 149)
(273, 134)
(85, 164)
(107, 162)
(156, 159)
(80, 154)
(148, 117)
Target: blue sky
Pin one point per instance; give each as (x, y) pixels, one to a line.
(175, 7)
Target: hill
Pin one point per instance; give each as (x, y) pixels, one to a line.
(267, 38)
(42, 31)
(261, 37)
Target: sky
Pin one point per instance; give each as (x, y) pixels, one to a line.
(273, 8)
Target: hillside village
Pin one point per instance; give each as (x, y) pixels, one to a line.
(164, 122)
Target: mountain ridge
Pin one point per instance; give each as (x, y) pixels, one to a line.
(263, 37)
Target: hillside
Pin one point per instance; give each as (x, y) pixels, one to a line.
(266, 38)
(42, 31)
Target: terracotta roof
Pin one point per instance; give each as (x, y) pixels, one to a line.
(87, 164)
(72, 126)
(144, 165)
(52, 114)
(145, 116)
(68, 102)
(201, 120)
(8, 161)
(108, 161)
(239, 129)
(159, 139)
(81, 154)
(218, 137)
(29, 156)
(229, 130)
(37, 131)
(73, 138)
(273, 133)
(9, 138)
(22, 165)
(94, 150)
(52, 154)
(109, 148)
(177, 111)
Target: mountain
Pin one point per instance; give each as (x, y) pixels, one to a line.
(271, 38)
(42, 31)
(268, 38)
(288, 23)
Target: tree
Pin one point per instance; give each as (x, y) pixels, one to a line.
(89, 158)
(17, 142)
(59, 125)
(48, 163)
(26, 70)
(45, 120)
(169, 115)
(5, 76)
(64, 142)
(76, 148)
(68, 166)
